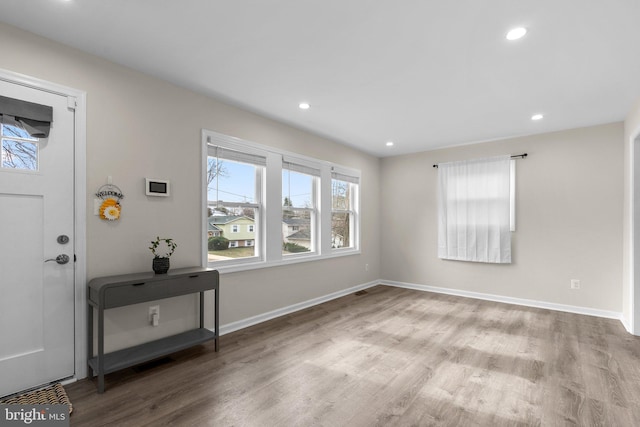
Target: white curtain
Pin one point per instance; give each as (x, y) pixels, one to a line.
(473, 210)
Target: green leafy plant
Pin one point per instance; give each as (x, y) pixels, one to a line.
(294, 247)
(218, 243)
(170, 247)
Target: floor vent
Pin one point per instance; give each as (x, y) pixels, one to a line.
(362, 292)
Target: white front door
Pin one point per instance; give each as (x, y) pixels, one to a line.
(36, 211)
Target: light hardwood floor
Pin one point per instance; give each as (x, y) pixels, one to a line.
(390, 357)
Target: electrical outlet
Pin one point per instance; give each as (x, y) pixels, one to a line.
(575, 284)
(366, 267)
(154, 315)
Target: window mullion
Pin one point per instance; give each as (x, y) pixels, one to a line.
(324, 210)
(272, 196)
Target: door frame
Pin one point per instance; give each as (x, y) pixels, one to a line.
(80, 206)
(633, 323)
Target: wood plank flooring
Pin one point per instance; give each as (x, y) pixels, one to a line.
(391, 357)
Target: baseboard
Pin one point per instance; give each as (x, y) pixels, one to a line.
(627, 325)
(509, 300)
(254, 320)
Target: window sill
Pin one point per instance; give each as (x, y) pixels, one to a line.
(234, 268)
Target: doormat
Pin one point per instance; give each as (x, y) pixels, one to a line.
(52, 395)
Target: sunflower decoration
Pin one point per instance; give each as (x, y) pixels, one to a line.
(110, 208)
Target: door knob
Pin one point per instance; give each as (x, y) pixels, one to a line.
(60, 259)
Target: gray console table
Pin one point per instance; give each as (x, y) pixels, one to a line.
(119, 291)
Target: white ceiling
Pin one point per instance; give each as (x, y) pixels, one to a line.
(422, 73)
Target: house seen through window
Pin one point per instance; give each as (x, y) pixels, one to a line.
(342, 212)
(233, 193)
(265, 206)
(298, 211)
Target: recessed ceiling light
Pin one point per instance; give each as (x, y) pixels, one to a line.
(516, 33)
(537, 117)
(304, 106)
(389, 144)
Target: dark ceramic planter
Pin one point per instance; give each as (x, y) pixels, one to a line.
(160, 265)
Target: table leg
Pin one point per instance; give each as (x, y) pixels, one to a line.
(100, 350)
(91, 372)
(217, 316)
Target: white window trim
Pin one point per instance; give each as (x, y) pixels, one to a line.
(314, 211)
(354, 231)
(235, 144)
(269, 221)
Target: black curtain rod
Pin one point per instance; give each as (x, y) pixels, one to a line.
(515, 156)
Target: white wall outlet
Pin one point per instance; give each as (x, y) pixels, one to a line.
(575, 284)
(366, 267)
(154, 315)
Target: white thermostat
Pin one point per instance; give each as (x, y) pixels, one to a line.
(157, 187)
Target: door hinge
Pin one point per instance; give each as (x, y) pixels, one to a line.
(72, 102)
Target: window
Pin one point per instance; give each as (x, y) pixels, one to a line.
(19, 149)
(343, 214)
(298, 207)
(264, 206)
(474, 210)
(234, 203)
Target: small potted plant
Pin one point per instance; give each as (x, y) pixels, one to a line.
(162, 249)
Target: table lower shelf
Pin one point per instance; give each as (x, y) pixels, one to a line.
(131, 356)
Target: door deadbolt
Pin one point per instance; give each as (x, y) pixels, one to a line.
(63, 239)
(60, 259)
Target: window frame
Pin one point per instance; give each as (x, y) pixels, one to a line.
(299, 166)
(232, 144)
(344, 175)
(268, 238)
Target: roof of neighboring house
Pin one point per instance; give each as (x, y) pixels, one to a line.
(295, 221)
(225, 219)
(300, 235)
(213, 227)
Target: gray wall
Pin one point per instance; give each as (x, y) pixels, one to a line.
(139, 126)
(569, 220)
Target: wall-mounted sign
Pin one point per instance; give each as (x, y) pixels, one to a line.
(157, 187)
(110, 208)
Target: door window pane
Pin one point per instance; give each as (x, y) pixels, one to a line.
(19, 149)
